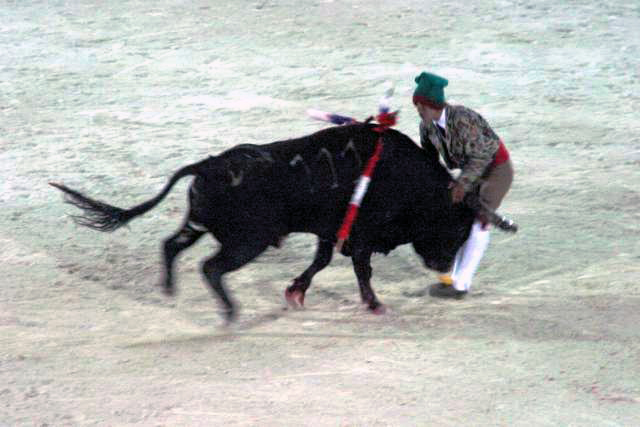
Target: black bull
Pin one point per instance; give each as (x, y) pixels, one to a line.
(251, 196)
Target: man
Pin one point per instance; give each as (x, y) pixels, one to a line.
(465, 141)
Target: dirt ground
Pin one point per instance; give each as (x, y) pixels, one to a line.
(111, 98)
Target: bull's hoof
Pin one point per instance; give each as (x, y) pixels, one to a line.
(377, 308)
(166, 285)
(169, 291)
(229, 315)
(295, 298)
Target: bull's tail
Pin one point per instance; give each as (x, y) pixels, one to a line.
(103, 217)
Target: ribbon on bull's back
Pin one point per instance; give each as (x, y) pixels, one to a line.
(385, 120)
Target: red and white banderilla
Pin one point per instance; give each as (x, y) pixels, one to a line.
(385, 120)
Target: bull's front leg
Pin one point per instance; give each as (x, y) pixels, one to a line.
(295, 293)
(361, 259)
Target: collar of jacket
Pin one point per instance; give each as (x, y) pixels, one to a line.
(442, 121)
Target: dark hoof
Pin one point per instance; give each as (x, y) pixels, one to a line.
(229, 316)
(166, 285)
(169, 291)
(377, 308)
(441, 290)
(295, 298)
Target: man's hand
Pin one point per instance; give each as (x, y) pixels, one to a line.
(457, 192)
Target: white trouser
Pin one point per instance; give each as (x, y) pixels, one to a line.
(469, 256)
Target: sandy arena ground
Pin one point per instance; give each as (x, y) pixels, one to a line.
(112, 97)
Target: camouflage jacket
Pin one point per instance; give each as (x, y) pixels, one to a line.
(469, 143)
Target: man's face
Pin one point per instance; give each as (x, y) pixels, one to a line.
(427, 114)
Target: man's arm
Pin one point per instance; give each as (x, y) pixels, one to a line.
(480, 145)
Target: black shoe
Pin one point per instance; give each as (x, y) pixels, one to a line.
(440, 290)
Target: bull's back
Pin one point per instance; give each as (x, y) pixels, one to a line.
(316, 175)
(305, 184)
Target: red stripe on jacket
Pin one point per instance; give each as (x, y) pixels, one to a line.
(502, 155)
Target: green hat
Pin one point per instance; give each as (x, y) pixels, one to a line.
(430, 90)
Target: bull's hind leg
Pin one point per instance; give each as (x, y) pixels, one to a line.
(295, 293)
(185, 237)
(229, 259)
(362, 266)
